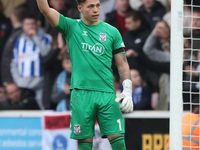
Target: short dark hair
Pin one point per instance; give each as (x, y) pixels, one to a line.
(29, 16)
(196, 9)
(80, 1)
(20, 12)
(136, 15)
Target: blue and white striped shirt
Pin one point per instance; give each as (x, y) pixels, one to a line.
(27, 54)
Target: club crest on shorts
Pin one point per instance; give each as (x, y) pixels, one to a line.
(102, 37)
(77, 129)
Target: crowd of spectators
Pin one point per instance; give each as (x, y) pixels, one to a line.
(35, 68)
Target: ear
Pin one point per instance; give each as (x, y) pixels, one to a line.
(79, 8)
(138, 23)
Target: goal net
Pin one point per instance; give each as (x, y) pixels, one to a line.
(185, 71)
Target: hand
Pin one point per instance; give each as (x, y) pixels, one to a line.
(125, 98)
(64, 50)
(159, 28)
(131, 53)
(66, 89)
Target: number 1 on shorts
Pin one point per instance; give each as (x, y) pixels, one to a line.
(120, 126)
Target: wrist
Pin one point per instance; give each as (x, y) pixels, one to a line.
(127, 87)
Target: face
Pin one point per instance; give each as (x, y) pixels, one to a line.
(122, 5)
(13, 92)
(29, 24)
(148, 3)
(66, 64)
(59, 5)
(90, 10)
(130, 24)
(135, 77)
(196, 20)
(164, 30)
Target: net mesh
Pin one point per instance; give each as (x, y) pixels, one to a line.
(191, 75)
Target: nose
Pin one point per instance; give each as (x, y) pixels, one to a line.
(95, 9)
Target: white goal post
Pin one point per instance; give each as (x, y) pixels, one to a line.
(176, 63)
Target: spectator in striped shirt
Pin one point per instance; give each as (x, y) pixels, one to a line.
(30, 48)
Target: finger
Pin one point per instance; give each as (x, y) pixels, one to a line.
(130, 108)
(124, 102)
(127, 105)
(124, 109)
(127, 108)
(119, 98)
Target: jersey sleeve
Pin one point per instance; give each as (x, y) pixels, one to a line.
(65, 25)
(118, 44)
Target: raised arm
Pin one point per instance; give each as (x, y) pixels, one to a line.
(50, 14)
(125, 98)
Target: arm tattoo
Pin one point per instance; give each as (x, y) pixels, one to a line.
(124, 73)
(124, 57)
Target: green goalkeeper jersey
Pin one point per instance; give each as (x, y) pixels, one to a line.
(91, 49)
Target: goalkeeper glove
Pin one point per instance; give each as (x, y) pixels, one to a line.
(125, 98)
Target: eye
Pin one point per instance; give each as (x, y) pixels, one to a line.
(98, 5)
(90, 6)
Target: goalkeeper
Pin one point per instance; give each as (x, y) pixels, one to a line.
(92, 44)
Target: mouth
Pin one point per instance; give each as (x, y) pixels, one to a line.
(95, 16)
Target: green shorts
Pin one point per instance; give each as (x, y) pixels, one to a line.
(89, 106)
